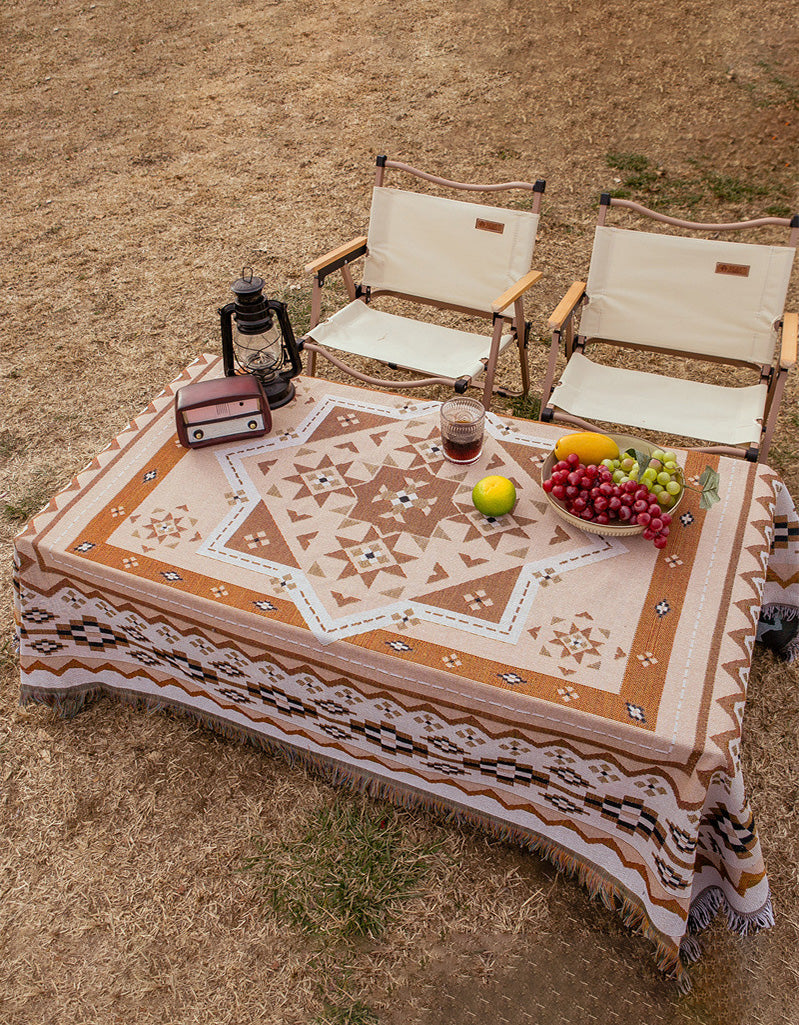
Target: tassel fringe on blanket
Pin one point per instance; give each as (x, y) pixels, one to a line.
(596, 882)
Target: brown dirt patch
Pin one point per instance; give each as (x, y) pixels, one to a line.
(150, 150)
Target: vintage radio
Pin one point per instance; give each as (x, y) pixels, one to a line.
(222, 409)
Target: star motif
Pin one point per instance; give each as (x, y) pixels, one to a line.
(577, 642)
(370, 556)
(398, 497)
(319, 481)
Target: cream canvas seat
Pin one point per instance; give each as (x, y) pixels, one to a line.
(439, 252)
(706, 299)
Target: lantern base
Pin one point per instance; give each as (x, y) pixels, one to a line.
(278, 392)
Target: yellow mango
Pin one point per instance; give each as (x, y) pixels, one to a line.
(590, 446)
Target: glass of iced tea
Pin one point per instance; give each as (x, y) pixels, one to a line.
(462, 424)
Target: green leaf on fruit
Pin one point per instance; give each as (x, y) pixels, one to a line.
(642, 458)
(709, 482)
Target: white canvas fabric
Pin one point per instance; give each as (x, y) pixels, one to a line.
(432, 349)
(446, 249)
(687, 408)
(696, 295)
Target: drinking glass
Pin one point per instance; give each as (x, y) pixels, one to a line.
(462, 425)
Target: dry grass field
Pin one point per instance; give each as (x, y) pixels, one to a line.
(150, 150)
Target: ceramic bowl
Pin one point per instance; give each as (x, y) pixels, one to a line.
(624, 441)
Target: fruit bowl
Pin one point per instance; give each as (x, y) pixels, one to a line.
(624, 441)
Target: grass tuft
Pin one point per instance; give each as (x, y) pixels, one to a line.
(32, 498)
(8, 654)
(729, 189)
(526, 407)
(357, 1013)
(639, 173)
(9, 444)
(779, 210)
(346, 872)
(661, 190)
(298, 306)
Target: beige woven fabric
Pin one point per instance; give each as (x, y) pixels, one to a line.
(654, 402)
(331, 589)
(414, 344)
(449, 250)
(699, 295)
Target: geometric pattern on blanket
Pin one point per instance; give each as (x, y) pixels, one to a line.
(330, 588)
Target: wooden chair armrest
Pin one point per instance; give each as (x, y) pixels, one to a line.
(566, 306)
(516, 290)
(338, 257)
(790, 332)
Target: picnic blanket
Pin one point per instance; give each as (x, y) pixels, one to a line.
(330, 591)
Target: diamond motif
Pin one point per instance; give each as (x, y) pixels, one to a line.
(635, 712)
(403, 620)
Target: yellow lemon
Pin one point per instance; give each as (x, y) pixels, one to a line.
(494, 496)
(590, 446)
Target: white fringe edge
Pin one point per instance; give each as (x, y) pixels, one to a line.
(708, 904)
(690, 949)
(789, 612)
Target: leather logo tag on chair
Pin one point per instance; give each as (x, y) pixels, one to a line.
(740, 270)
(496, 226)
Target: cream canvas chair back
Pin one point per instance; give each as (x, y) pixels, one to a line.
(445, 250)
(716, 297)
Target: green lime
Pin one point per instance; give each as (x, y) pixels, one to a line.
(494, 496)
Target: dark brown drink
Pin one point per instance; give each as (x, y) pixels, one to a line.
(462, 451)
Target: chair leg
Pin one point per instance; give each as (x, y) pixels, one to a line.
(568, 338)
(349, 284)
(522, 338)
(549, 377)
(772, 408)
(316, 313)
(491, 366)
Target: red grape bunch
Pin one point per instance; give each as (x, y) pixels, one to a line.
(590, 493)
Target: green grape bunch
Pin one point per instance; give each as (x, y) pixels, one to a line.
(659, 472)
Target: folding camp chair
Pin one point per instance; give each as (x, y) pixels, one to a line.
(440, 252)
(705, 299)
